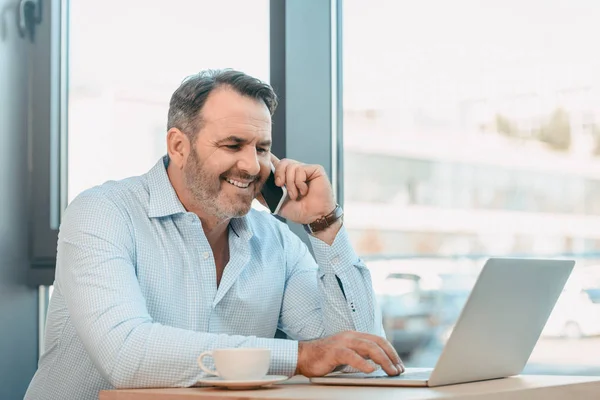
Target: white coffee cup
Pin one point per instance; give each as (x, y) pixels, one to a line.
(238, 363)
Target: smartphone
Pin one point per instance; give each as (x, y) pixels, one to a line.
(274, 195)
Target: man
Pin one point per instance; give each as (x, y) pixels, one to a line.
(153, 270)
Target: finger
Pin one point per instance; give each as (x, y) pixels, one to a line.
(274, 159)
(280, 171)
(314, 171)
(367, 348)
(351, 358)
(389, 350)
(385, 345)
(290, 181)
(301, 181)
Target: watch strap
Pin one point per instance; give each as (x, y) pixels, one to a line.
(324, 222)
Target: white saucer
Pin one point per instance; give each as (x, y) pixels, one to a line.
(241, 385)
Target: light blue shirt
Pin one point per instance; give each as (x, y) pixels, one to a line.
(136, 301)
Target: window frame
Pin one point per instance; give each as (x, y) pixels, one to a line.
(46, 134)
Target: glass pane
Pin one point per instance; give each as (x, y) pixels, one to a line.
(473, 129)
(127, 57)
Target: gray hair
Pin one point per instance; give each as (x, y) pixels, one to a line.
(187, 101)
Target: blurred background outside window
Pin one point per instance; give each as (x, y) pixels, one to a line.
(125, 60)
(473, 129)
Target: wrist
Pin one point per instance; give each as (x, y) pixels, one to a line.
(328, 221)
(299, 363)
(328, 208)
(329, 234)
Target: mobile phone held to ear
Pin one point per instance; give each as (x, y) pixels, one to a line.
(274, 195)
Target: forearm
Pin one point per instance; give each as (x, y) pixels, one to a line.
(154, 355)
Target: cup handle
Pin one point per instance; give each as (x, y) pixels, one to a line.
(203, 367)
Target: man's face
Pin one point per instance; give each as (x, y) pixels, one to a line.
(230, 160)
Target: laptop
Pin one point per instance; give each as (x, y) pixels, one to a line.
(496, 331)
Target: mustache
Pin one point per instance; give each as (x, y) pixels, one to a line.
(242, 176)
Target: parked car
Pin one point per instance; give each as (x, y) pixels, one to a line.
(419, 298)
(409, 318)
(454, 293)
(576, 314)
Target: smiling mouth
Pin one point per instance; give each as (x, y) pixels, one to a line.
(238, 184)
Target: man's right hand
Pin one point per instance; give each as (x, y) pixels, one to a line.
(320, 357)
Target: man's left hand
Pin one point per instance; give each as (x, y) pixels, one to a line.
(309, 190)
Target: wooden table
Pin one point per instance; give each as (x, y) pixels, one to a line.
(524, 387)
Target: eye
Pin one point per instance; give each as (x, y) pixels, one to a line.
(233, 146)
(261, 150)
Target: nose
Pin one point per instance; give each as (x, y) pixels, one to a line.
(249, 162)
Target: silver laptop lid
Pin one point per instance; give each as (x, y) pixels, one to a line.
(501, 320)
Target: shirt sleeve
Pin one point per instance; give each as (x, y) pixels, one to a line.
(96, 274)
(329, 293)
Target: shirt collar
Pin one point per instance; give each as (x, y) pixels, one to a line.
(164, 201)
(241, 227)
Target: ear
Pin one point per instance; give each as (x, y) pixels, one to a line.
(178, 147)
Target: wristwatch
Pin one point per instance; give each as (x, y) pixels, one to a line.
(324, 222)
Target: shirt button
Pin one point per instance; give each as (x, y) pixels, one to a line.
(205, 255)
(335, 260)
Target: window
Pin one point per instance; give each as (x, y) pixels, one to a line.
(102, 77)
(122, 70)
(473, 129)
(125, 61)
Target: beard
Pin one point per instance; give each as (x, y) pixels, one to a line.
(207, 190)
